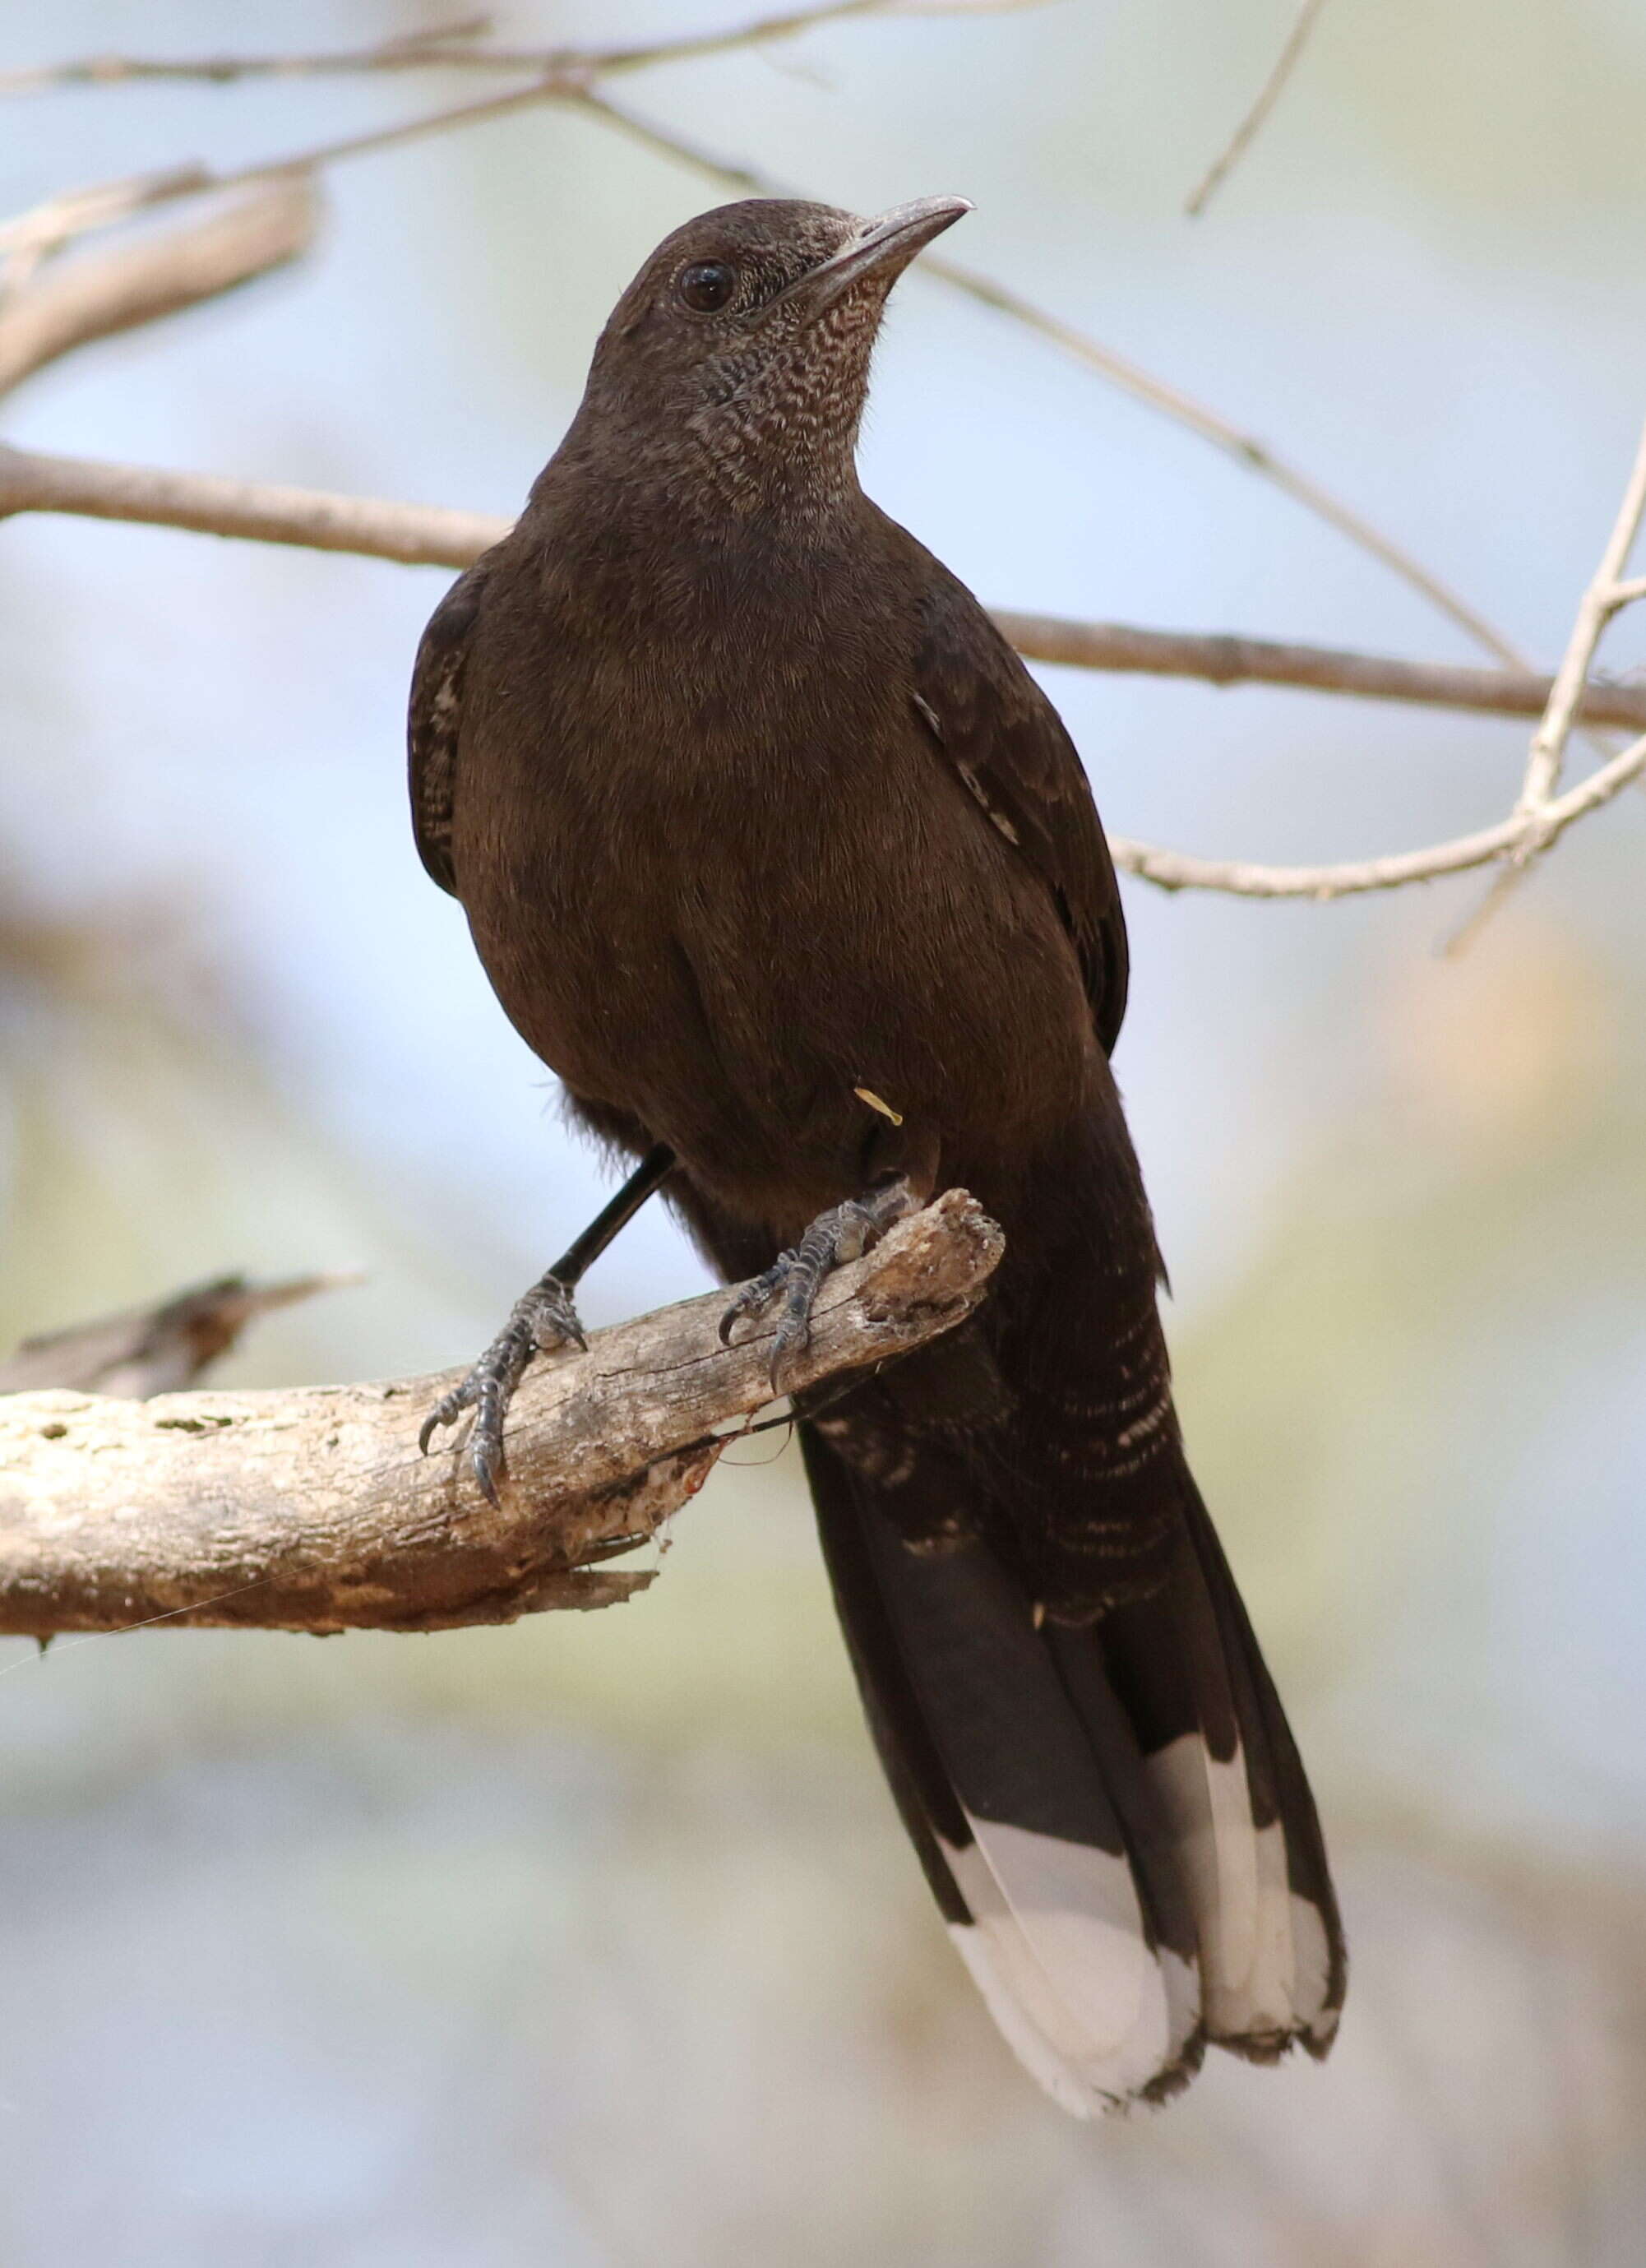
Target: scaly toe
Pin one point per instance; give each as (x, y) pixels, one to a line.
(446, 1411)
(541, 1320)
(548, 1315)
(755, 1297)
(791, 1338)
(485, 1460)
(797, 1275)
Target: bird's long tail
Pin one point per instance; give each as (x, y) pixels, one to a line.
(1112, 1812)
(1082, 1737)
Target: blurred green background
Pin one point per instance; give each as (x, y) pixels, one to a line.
(596, 1940)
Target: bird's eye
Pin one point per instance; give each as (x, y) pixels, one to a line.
(708, 284)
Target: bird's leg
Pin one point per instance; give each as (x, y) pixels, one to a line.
(796, 1277)
(540, 1320)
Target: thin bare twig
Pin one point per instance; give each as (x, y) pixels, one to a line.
(1539, 817)
(47, 227)
(99, 295)
(1518, 836)
(433, 48)
(399, 532)
(416, 535)
(569, 76)
(1268, 95)
(1169, 400)
(1217, 658)
(1606, 595)
(448, 48)
(1460, 936)
(425, 536)
(1244, 448)
(432, 535)
(556, 75)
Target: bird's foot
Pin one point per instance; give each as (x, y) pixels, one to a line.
(796, 1277)
(541, 1320)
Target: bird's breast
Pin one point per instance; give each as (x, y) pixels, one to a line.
(721, 881)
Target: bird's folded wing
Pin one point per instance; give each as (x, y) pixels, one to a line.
(1007, 742)
(435, 718)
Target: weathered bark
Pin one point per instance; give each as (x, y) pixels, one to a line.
(312, 1510)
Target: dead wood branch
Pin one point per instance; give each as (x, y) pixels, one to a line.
(1268, 94)
(312, 1509)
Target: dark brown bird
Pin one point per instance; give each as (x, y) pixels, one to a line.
(774, 851)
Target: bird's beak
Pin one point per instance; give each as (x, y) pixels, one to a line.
(883, 247)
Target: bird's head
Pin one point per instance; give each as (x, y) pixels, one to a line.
(737, 362)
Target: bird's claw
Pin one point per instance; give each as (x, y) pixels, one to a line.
(542, 1320)
(796, 1276)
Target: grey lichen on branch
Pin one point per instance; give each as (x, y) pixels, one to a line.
(311, 1509)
